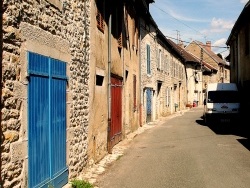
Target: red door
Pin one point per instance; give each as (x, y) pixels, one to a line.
(115, 130)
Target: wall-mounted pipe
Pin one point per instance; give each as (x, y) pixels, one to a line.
(109, 82)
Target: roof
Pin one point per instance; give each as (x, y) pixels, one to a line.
(183, 53)
(214, 60)
(214, 56)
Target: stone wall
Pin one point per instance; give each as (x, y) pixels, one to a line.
(59, 30)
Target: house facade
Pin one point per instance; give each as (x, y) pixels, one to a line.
(239, 57)
(163, 76)
(212, 69)
(45, 93)
(114, 75)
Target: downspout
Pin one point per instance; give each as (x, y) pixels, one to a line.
(140, 75)
(1, 55)
(109, 82)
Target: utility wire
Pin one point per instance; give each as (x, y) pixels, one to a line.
(185, 25)
(178, 20)
(189, 42)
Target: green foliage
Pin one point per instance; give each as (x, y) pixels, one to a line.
(81, 184)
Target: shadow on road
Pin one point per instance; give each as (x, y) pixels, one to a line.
(245, 142)
(237, 129)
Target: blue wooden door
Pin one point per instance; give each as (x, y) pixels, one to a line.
(46, 122)
(149, 105)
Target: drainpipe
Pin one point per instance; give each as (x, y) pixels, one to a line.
(140, 74)
(1, 55)
(109, 82)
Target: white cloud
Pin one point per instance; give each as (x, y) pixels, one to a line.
(221, 25)
(243, 1)
(220, 42)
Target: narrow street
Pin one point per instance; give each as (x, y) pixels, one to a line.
(182, 152)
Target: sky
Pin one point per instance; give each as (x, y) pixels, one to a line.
(201, 20)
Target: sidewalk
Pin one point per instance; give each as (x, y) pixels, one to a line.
(94, 170)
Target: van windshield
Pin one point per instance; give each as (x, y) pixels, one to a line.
(223, 97)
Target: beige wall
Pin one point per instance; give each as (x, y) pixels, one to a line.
(124, 64)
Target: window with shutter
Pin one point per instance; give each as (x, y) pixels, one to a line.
(148, 60)
(119, 41)
(100, 15)
(134, 89)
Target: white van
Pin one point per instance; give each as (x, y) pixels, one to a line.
(221, 103)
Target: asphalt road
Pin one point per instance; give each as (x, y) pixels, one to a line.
(183, 153)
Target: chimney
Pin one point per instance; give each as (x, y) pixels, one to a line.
(208, 45)
(181, 44)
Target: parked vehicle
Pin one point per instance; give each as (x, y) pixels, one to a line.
(221, 103)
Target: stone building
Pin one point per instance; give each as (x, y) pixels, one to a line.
(70, 86)
(45, 92)
(163, 77)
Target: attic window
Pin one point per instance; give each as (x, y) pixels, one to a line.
(119, 41)
(100, 15)
(117, 23)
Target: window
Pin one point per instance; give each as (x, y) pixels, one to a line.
(223, 97)
(117, 22)
(166, 64)
(167, 96)
(148, 60)
(136, 39)
(134, 89)
(99, 80)
(159, 60)
(100, 15)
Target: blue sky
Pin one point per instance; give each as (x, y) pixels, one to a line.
(202, 20)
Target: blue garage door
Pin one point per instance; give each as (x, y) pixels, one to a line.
(46, 122)
(149, 104)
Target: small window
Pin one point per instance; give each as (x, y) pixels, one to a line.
(119, 41)
(117, 21)
(167, 96)
(148, 60)
(99, 80)
(134, 89)
(100, 15)
(159, 59)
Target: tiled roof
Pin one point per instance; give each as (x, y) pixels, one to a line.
(214, 60)
(187, 57)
